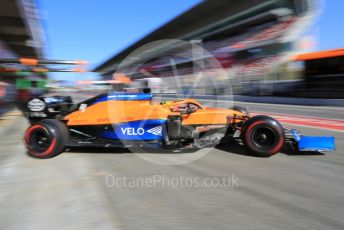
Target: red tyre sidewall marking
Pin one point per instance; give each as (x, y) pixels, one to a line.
(254, 124)
(27, 137)
(28, 131)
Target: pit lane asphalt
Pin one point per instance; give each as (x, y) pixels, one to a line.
(71, 191)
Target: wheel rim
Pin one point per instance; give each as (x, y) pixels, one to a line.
(39, 140)
(264, 137)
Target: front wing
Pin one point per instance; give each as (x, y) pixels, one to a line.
(313, 143)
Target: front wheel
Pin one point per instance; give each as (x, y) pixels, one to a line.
(46, 139)
(263, 136)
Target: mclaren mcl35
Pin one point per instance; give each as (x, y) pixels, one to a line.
(134, 120)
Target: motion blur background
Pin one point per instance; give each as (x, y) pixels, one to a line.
(283, 58)
(267, 48)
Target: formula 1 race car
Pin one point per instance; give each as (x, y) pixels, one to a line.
(134, 120)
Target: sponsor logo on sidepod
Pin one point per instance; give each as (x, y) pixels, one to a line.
(140, 131)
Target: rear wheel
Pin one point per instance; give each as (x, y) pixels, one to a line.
(46, 139)
(263, 136)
